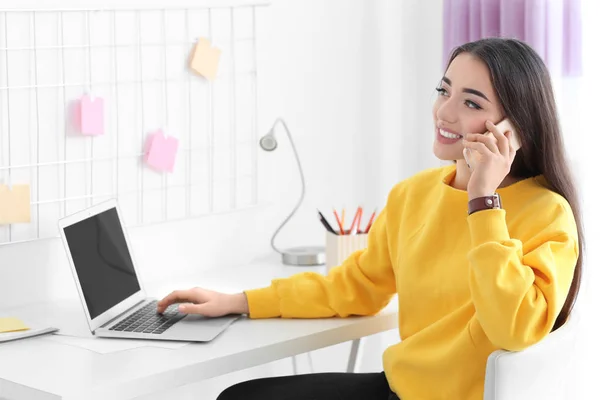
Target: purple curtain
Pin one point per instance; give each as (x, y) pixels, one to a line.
(551, 27)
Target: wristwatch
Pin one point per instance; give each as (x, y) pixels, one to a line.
(485, 203)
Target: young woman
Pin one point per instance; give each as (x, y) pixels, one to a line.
(481, 259)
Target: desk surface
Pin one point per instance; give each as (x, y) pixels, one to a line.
(39, 368)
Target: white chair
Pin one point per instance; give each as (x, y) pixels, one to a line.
(542, 371)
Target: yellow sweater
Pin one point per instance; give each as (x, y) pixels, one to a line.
(466, 285)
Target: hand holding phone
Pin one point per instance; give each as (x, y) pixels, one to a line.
(473, 158)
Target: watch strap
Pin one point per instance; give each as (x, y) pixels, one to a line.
(484, 203)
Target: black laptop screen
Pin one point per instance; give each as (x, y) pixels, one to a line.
(102, 260)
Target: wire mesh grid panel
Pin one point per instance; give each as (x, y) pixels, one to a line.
(137, 61)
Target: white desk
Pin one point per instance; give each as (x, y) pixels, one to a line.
(39, 368)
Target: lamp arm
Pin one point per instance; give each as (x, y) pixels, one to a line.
(285, 221)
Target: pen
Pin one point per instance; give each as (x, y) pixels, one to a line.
(325, 223)
(368, 228)
(343, 220)
(340, 224)
(359, 219)
(354, 226)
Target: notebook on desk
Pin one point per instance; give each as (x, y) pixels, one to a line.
(13, 328)
(112, 296)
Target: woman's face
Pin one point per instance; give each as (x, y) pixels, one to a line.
(466, 99)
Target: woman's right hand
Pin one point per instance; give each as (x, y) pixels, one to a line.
(205, 302)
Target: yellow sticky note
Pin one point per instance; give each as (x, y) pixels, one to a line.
(205, 59)
(12, 325)
(15, 204)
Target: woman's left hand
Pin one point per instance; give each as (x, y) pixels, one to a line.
(497, 156)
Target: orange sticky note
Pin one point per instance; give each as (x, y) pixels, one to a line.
(205, 59)
(15, 204)
(12, 325)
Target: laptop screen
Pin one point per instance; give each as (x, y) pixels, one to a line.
(102, 260)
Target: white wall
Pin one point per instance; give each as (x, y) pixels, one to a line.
(402, 66)
(579, 106)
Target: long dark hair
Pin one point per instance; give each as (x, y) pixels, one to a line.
(522, 83)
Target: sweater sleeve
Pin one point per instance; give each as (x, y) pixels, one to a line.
(362, 285)
(519, 289)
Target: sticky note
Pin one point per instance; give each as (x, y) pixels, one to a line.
(205, 59)
(92, 115)
(161, 151)
(12, 325)
(15, 204)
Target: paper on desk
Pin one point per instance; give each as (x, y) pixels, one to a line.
(109, 345)
(9, 324)
(67, 316)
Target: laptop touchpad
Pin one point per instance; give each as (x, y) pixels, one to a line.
(207, 321)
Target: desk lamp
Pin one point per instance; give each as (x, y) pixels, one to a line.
(306, 255)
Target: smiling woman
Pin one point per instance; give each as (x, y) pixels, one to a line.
(526, 98)
(473, 274)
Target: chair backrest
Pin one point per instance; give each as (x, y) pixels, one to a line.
(542, 371)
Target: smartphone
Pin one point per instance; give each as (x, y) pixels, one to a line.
(473, 157)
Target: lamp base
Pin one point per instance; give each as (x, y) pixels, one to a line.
(304, 256)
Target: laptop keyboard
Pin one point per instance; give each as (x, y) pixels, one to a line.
(147, 320)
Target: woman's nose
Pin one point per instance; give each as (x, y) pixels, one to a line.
(447, 111)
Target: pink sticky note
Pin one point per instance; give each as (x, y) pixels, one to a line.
(92, 115)
(161, 151)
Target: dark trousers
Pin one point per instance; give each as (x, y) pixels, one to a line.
(325, 386)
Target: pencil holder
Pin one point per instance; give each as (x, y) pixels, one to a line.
(339, 247)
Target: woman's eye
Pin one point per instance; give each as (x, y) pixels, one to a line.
(473, 105)
(442, 91)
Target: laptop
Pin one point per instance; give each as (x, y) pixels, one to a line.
(110, 291)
